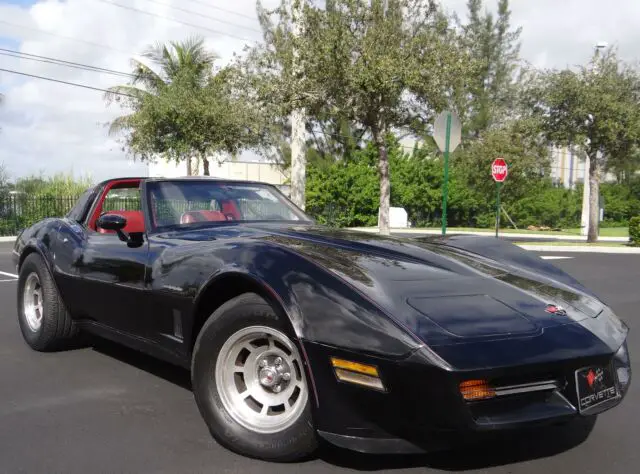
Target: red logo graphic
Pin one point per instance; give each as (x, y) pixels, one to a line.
(595, 379)
(553, 309)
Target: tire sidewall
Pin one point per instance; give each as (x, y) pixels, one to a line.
(32, 264)
(292, 443)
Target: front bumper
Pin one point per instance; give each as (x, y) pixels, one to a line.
(422, 409)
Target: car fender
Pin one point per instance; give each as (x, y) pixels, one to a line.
(321, 306)
(37, 238)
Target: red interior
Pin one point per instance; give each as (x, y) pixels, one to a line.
(230, 209)
(190, 217)
(135, 219)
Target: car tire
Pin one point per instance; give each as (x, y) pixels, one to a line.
(239, 422)
(45, 323)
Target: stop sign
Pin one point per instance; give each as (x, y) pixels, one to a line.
(499, 170)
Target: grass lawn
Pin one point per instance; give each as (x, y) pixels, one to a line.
(604, 232)
(573, 244)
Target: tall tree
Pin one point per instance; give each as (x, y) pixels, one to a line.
(596, 107)
(188, 62)
(386, 65)
(275, 79)
(489, 98)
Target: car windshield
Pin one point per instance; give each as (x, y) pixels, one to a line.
(184, 203)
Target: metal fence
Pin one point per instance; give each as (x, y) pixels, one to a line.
(20, 211)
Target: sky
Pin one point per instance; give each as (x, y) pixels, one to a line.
(48, 127)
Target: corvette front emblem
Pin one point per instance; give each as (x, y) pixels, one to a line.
(553, 309)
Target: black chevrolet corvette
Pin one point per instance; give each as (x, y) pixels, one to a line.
(295, 332)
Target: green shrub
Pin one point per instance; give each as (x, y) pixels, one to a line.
(620, 204)
(634, 230)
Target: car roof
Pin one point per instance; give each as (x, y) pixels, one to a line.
(184, 179)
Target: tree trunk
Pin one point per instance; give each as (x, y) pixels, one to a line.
(594, 199)
(205, 166)
(189, 170)
(298, 158)
(298, 119)
(385, 187)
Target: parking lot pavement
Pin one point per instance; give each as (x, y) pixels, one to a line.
(109, 410)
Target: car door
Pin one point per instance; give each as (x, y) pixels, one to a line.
(111, 272)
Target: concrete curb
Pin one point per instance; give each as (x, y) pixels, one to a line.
(403, 230)
(10, 238)
(581, 249)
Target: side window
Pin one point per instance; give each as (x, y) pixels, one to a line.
(122, 199)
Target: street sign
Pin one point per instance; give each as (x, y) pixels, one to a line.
(499, 170)
(440, 131)
(447, 133)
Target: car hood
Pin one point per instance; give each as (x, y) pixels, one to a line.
(442, 294)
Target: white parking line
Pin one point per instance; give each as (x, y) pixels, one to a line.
(13, 275)
(553, 257)
(13, 279)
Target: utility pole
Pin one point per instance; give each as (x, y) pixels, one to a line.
(586, 190)
(298, 120)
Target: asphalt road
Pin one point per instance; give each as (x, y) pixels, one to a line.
(108, 410)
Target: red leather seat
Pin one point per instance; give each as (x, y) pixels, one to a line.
(135, 222)
(190, 217)
(229, 209)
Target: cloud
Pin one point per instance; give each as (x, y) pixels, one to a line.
(53, 127)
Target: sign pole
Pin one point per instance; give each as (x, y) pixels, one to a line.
(447, 133)
(445, 186)
(498, 185)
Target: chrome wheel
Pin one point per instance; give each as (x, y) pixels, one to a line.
(260, 380)
(32, 302)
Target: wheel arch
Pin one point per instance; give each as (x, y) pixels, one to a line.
(230, 284)
(33, 247)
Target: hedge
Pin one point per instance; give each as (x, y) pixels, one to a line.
(634, 230)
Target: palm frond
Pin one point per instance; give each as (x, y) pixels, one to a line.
(119, 124)
(116, 92)
(144, 75)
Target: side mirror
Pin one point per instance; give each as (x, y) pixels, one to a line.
(111, 222)
(116, 223)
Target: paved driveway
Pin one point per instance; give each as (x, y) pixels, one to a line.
(109, 410)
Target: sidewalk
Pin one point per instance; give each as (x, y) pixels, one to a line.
(511, 235)
(549, 247)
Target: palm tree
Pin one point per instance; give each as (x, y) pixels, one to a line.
(188, 60)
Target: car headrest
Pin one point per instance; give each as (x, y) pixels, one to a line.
(230, 210)
(190, 217)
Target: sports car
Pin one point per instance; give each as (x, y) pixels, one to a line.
(295, 333)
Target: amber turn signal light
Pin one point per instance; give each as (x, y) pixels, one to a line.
(354, 367)
(476, 390)
(357, 373)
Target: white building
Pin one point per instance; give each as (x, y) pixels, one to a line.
(568, 168)
(240, 170)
